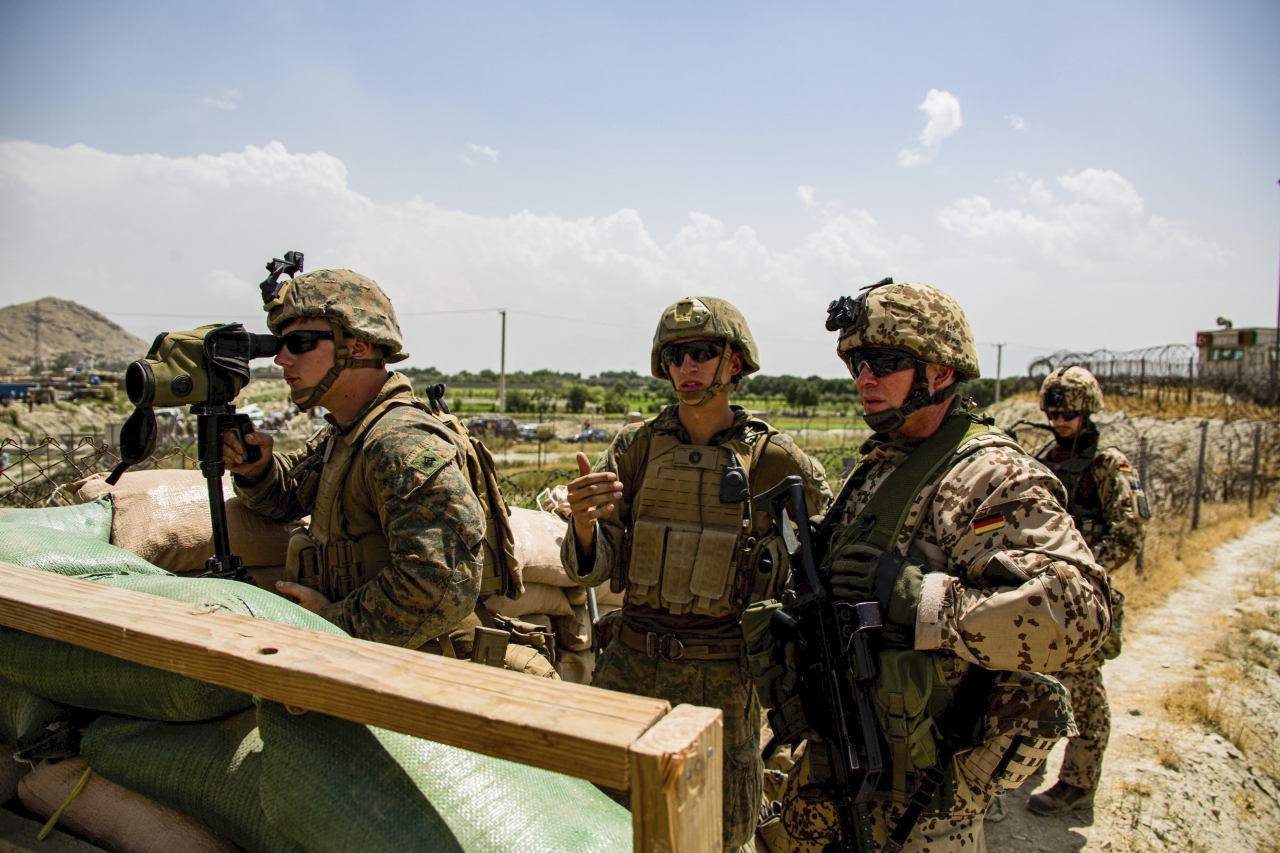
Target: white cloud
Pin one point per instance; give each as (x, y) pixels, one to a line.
(1102, 224)
(943, 110)
(1017, 122)
(190, 235)
(805, 192)
(224, 101)
(485, 150)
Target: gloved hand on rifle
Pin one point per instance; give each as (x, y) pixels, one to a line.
(771, 653)
(894, 582)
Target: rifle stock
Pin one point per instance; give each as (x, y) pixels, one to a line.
(837, 672)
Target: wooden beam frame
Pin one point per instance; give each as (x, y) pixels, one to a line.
(669, 760)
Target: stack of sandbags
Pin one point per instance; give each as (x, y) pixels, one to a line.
(163, 517)
(550, 598)
(210, 768)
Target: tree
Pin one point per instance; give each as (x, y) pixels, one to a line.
(802, 394)
(576, 396)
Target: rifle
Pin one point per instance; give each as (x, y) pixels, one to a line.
(837, 674)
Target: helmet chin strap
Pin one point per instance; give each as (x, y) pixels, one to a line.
(307, 398)
(917, 399)
(705, 395)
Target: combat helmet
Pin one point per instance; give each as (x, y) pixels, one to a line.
(355, 307)
(916, 319)
(705, 317)
(1071, 389)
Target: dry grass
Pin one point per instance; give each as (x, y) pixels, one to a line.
(1175, 552)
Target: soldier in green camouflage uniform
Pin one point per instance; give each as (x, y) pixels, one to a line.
(396, 533)
(997, 586)
(667, 516)
(1105, 497)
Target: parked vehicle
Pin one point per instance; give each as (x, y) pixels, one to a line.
(492, 426)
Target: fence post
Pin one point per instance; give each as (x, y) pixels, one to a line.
(1191, 377)
(1195, 506)
(1253, 467)
(1142, 380)
(1139, 563)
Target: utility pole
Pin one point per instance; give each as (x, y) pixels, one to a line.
(1275, 361)
(999, 356)
(502, 366)
(35, 355)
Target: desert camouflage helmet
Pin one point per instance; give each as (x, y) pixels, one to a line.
(916, 319)
(911, 317)
(354, 306)
(704, 317)
(1071, 389)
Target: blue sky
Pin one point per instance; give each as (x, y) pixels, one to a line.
(1099, 174)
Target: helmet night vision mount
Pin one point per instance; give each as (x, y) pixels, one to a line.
(204, 368)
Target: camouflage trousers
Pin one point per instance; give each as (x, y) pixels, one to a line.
(722, 684)
(1082, 764)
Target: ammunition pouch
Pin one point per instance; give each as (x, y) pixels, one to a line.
(911, 692)
(346, 565)
(302, 561)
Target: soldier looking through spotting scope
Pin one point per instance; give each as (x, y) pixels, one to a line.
(960, 542)
(408, 529)
(667, 516)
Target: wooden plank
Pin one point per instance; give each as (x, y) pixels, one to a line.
(568, 728)
(676, 783)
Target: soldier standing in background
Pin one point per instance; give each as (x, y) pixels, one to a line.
(396, 550)
(1105, 498)
(667, 515)
(982, 583)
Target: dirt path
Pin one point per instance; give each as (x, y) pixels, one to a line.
(1168, 786)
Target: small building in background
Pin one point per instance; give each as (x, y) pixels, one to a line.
(1230, 353)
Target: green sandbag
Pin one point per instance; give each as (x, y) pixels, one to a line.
(209, 771)
(23, 714)
(64, 553)
(88, 679)
(92, 519)
(419, 795)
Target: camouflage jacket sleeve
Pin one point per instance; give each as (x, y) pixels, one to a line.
(611, 530)
(434, 525)
(1123, 505)
(817, 491)
(286, 490)
(1020, 590)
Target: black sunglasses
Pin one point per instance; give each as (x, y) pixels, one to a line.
(881, 362)
(304, 340)
(1066, 416)
(673, 354)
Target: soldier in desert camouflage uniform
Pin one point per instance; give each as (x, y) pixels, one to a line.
(667, 515)
(996, 586)
(395, 546)
(1105, 498)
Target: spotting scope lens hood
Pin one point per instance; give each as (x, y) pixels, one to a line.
(140, 383)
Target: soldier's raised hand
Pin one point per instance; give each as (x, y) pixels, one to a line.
(591, 497)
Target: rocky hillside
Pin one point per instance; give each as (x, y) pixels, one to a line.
(66, 329)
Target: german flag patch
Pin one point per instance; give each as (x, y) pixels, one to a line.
(1126, 468)
(988, 524)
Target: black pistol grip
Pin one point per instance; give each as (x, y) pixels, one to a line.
(241, 425)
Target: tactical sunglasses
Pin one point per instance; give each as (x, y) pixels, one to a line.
(304, 340)
(673, 354)
(881, 362)
(1065, 416)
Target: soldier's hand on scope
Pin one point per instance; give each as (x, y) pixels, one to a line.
(591, 496)
(233, 453)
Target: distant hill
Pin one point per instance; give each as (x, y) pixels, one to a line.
(66, 329)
